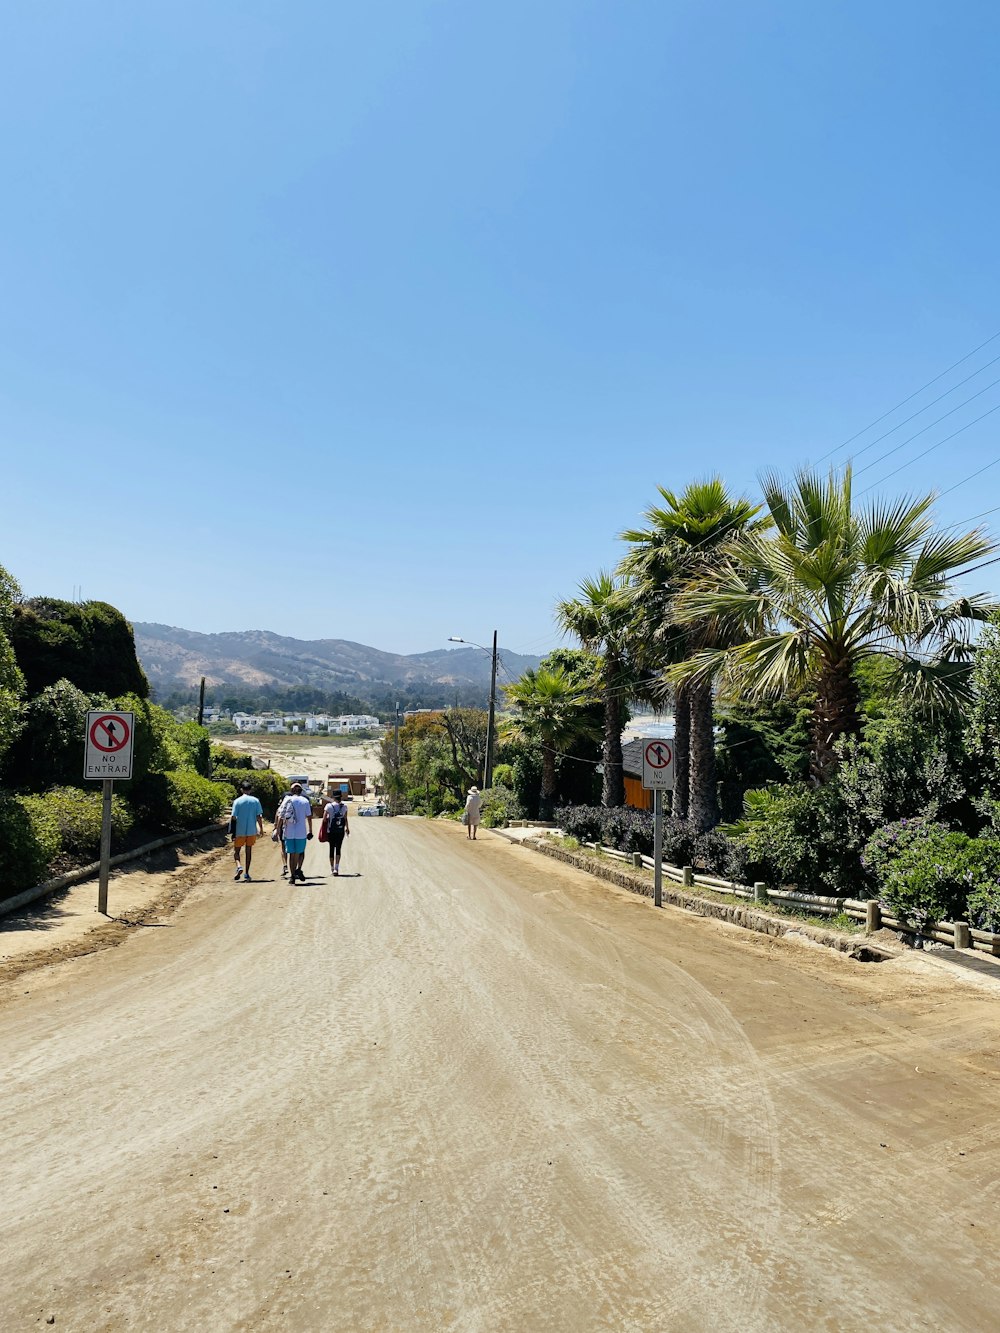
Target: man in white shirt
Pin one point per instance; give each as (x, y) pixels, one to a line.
(296, 819)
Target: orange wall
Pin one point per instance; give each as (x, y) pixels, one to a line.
(636, 796)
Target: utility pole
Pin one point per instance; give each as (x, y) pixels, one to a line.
(201, 704)
(490, 725)
(395, 793)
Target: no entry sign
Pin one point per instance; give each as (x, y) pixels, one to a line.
(658, 766)
(108, 746)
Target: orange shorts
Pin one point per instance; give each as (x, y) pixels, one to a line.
(245, 842)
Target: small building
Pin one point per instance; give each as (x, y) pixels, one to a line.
(351, 784)
(339, 726)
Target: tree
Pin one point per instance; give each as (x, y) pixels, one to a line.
(982, 735)
(88, 643)
(549, 709)
(601, 618)
(831, 588)
(440, 756)
(48, 750)
(684, 540)
(11, 678)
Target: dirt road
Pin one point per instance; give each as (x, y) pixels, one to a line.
(474, 1089)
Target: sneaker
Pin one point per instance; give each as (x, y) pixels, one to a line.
(239, 872)
(247, 879)
(284, 871)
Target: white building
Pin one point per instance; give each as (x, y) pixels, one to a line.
(247, 721)
(353, 722)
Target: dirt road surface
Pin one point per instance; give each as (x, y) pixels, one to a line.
(473, 1089)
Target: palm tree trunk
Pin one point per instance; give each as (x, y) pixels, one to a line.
(704, 806)
(682, 752)
(613, 785)
(837, 712)
(548, 794)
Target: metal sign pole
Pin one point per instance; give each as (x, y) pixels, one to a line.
(102, 889)
(657, 847)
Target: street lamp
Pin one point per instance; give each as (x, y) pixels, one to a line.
(488, 770)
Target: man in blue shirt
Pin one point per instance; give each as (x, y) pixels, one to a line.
(247, 824)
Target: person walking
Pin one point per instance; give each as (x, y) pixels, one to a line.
(472, 809)
(248, 825)
(279, 820)
(337, 829)
(296, 819)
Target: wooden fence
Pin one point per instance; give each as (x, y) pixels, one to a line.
(958, 934)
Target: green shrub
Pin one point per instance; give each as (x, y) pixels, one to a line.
(930, 880)
(223, 756)
(78, 815)
(178, 800)
(983, 903)
(721, 855)
(887, 844)
(49, 748)
(29, 842)
(267, 785)
(583, 822)
(627, 829)
(195, 746)
(499, 804)
(195, 800)
(89, 643)
(797, 837)
(925, 872)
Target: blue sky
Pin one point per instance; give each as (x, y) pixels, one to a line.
(381, 321)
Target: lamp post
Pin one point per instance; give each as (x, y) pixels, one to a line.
(490, 724)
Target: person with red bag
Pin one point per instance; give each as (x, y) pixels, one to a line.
(335, 829)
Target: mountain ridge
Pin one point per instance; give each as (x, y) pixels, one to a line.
(176, 659)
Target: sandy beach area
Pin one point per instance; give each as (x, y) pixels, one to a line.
(316, 756)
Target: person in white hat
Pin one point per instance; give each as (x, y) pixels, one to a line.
(472, 804)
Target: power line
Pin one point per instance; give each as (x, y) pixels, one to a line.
(936, 422)
(972, 568)
(909, 398)
(918, 457)
(971, 475)
(926, 408)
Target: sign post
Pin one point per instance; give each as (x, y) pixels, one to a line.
(658, 777)
(107, 756)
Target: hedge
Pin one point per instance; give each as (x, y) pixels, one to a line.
(267, 785)
(29, 841)
(77, 816)
(178, 800)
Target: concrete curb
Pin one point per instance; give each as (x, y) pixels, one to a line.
(737, 914)
(66, 881)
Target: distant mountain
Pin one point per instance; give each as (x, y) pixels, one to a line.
(176, 659)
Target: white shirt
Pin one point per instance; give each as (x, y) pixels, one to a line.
(295, 810)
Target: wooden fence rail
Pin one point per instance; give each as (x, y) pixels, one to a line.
(958, 934)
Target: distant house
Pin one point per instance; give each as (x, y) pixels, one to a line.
(353, 722)
(247, 721)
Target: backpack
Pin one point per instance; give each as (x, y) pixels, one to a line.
(338, 816)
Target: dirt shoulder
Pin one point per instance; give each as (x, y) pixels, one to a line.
(66, 924)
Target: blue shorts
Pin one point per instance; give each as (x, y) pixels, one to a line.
(295, 846)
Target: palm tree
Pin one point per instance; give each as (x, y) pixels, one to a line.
(683, 542)
(601, 618)
(551, 711)
(833, 586)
